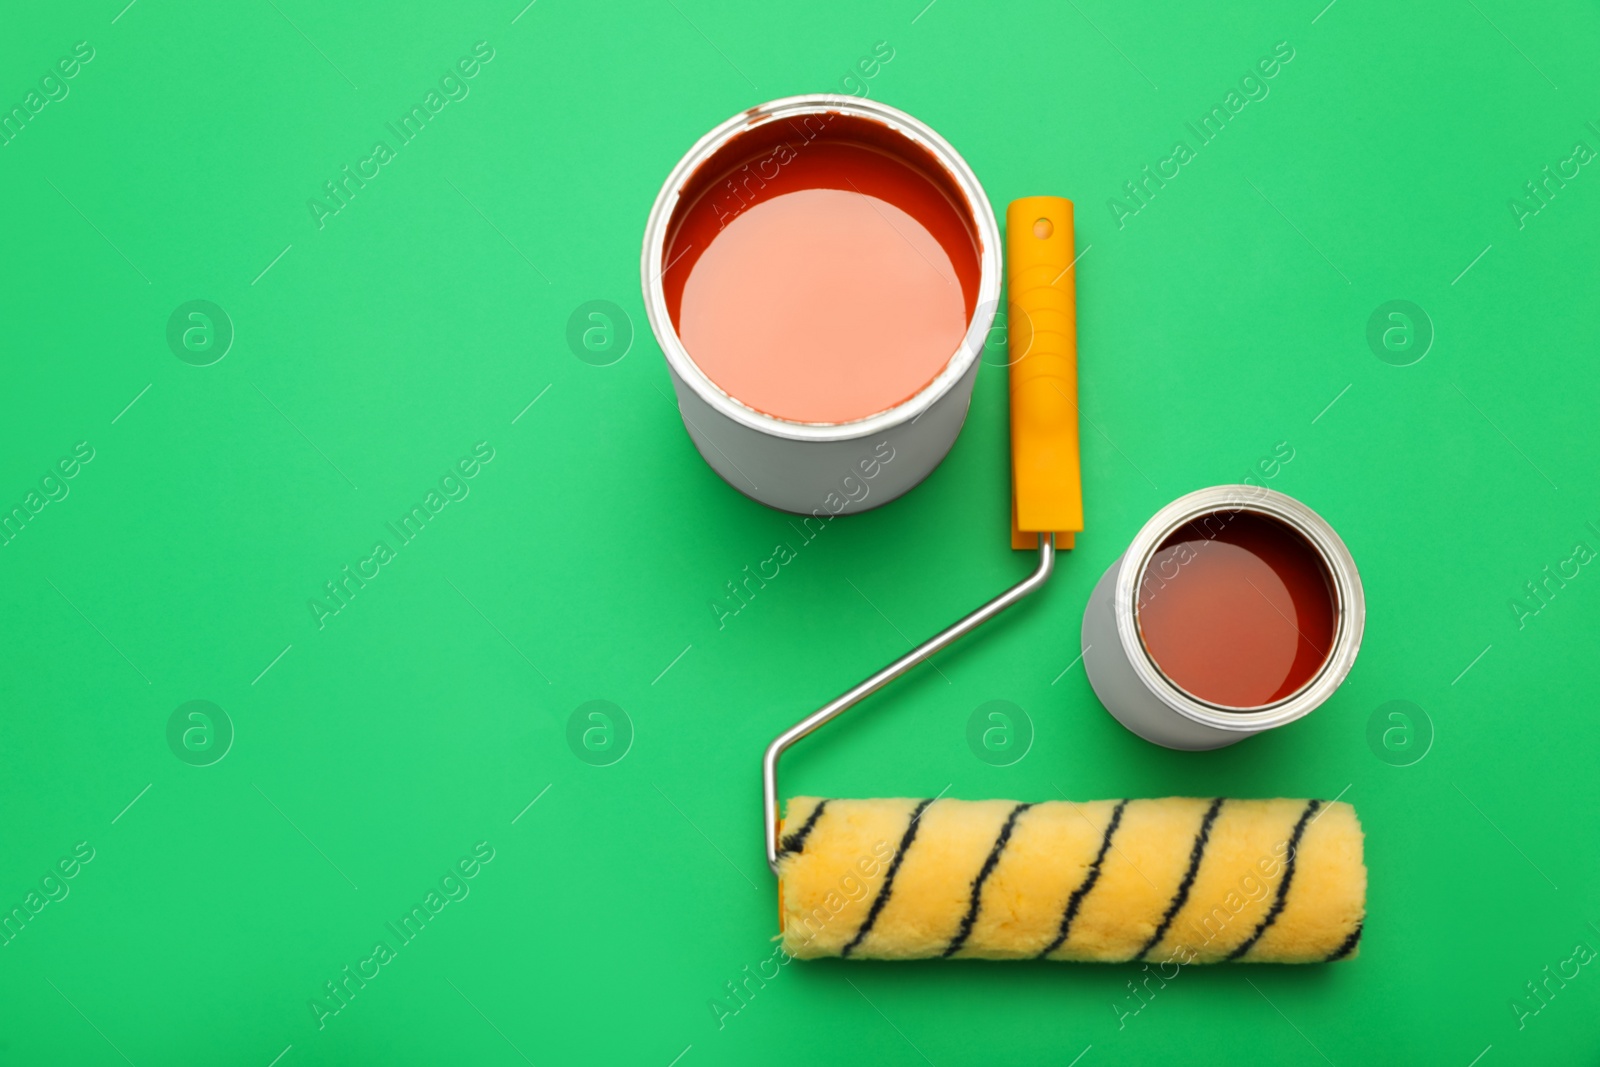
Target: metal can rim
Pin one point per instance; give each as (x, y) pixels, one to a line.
(961, 360)
(1348, 594)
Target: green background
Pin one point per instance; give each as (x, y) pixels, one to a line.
(371, 354)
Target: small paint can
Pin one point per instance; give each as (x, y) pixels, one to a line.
(818, 467)
(1192, 696)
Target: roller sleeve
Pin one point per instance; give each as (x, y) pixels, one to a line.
(1179, 879)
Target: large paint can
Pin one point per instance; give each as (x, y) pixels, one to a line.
(793, 447)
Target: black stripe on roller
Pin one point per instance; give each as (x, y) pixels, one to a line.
(1195, 855)
(1283, 886)
(989, 864)
(1076, 900)
(888, 879)
(1348, 947)
(796, 842)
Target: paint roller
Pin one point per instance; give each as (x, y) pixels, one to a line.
(1188, 880)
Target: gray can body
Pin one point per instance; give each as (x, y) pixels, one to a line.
(1131, 686)
(824, 468)
(832, 476)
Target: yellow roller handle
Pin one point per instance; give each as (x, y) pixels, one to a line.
(1047, 488)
